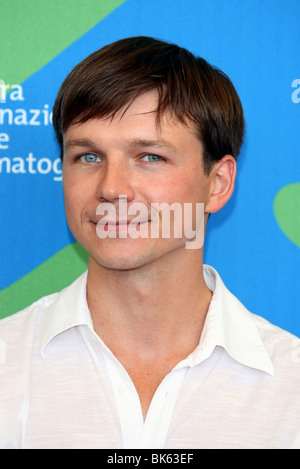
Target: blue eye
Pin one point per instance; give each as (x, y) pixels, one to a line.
(89, 158)
(152, 158)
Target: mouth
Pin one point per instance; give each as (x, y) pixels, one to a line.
(104, 224)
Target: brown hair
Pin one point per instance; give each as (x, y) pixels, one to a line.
(192, 90)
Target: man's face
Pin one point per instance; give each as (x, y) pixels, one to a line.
(129, 158)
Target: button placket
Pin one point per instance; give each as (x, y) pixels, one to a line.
(155, 429)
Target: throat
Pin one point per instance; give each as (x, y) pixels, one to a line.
(148, 367)
(147, 378)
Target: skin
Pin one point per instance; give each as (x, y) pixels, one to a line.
(147, 296)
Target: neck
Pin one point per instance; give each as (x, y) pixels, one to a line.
(154, 311)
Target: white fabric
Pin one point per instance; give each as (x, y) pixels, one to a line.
(61, 387)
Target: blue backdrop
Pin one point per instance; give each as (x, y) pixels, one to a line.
(254, 241)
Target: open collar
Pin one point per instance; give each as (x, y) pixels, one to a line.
(228, 323)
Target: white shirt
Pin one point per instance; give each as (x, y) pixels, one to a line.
(61, 387)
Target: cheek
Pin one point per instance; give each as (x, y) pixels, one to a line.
(196, 185)
(75, 196)
(184, 188)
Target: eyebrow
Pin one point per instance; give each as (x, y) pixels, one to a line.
(151, 143)
(138, 142)
(82, 142)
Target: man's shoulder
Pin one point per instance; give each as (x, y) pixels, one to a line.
(282, 346)
(17, 331)
(24, 334)
(18, 339)
(25, 315)
(273, 334)
(36, 309)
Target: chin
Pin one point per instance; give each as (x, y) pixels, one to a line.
(120, 254)
(133, 254)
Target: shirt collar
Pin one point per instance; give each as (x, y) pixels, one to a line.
(69, 309)
(228, 323)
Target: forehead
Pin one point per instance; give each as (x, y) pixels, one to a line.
(145, 103)
(139, 120)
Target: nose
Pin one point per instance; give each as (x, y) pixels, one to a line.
(115, 181)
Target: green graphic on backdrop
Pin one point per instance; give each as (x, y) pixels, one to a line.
(33, 32)
(49, 277)
(287, 211)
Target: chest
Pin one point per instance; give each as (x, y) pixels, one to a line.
(94, 403)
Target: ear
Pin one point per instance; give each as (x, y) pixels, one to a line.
(222, 179)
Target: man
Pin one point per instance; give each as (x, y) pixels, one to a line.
(147, 349)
